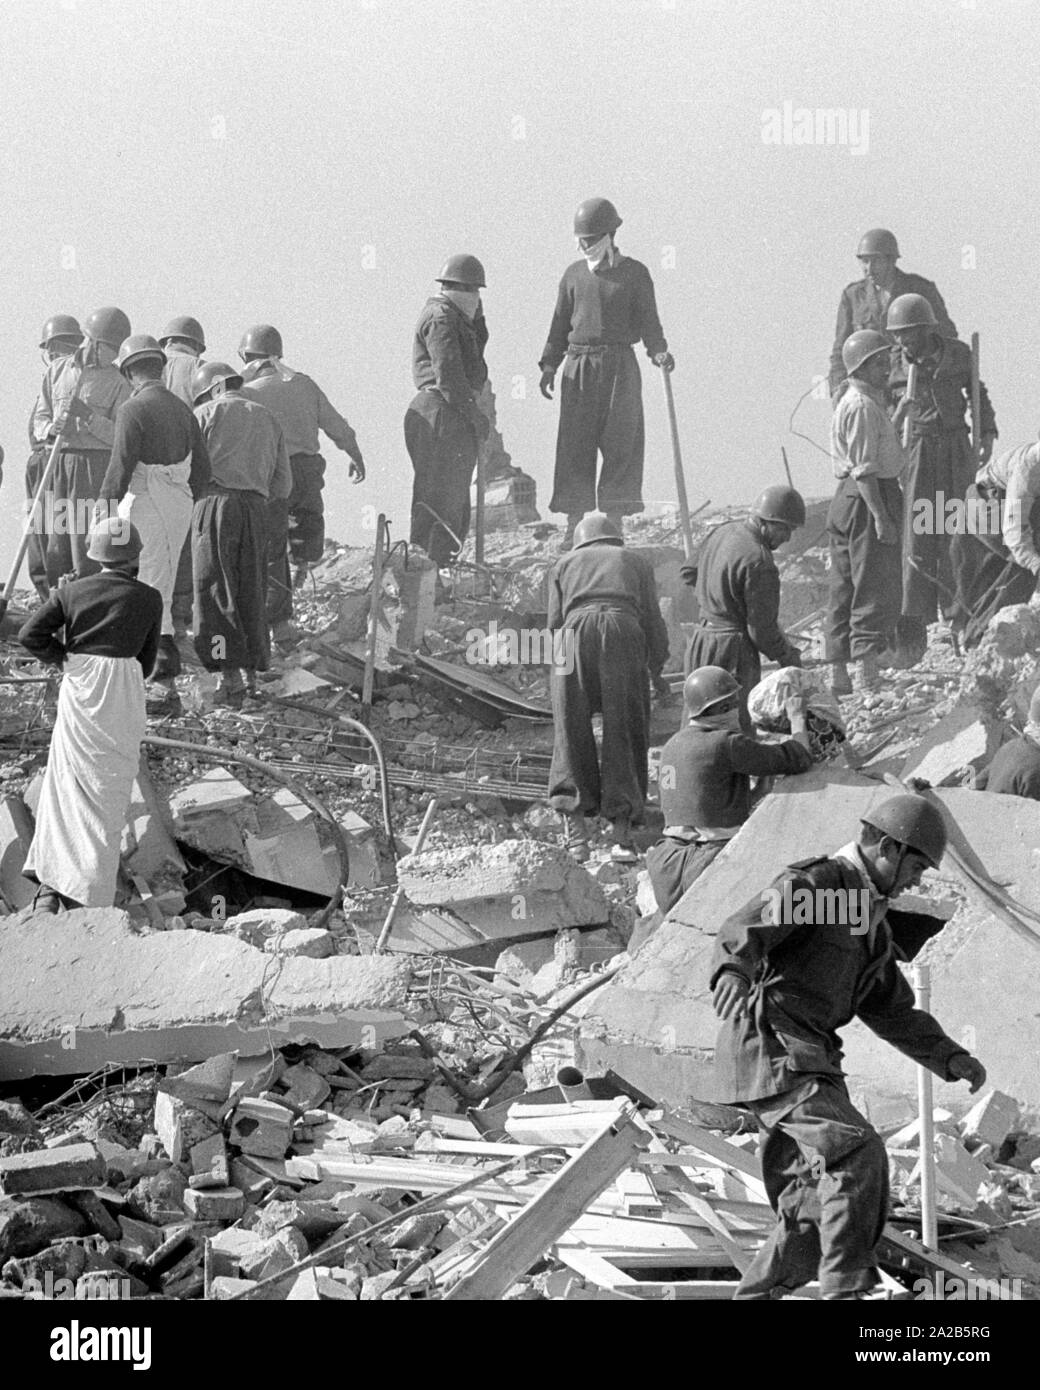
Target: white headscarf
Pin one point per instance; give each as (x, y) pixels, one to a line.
(604, 249)
(251, 370)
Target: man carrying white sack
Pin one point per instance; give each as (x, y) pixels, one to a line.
(111, 638)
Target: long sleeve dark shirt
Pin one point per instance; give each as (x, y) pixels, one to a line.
(609, 574)
(106, 614)
(155, 427)
(705, 774)
(738, 586)
(611, 304)
(862, 306)
(448, 353)
(943, 388)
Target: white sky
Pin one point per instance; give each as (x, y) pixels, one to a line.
(310, 164)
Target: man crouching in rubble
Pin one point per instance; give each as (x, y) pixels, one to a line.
(782, 987)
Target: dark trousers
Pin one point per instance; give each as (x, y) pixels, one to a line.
(982, 562)
(601, 412)
(734, 651)
(826, 1176)
(229, 557)
(76, 483)
(279, 578)
(607, 650)
(674, 865)
(940, 463)
(183, 587)
(443, 448)
(865, 593)
(36, 553)
(307, 509)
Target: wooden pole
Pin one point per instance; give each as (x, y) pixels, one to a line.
(680, 477)
(420, 840)
(374, 608)
(926, 1135)
(787, 466)
(976, 401)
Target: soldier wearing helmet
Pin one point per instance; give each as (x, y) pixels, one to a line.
(864, 303)
(798, 962)
(738, 593)
(605, 304)
(865, 520)
(60, 337)
(941, 462)
(609, 641)
(78, 401)
(444, 425)
(704, 779)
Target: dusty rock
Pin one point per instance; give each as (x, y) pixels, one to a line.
(159, 1199)
(180, 1126)
(991, 1119)
(261, 923)
(27, 1225)
(315, 942)
(262, 1128)
(52, 1170)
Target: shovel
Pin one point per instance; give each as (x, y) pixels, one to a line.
(680, 477)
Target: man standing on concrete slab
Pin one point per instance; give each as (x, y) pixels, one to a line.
(99, 389)
(864, 303)
(249, 465)
(1015, 770)
(609, 642)
(444, 425)
(865, 521)
(111, 627)
(738, 593)
(800, 961)
(60, 338)
(604, 305)
(302, 409)
(996, 556)
(704, 779)
(158, 470)
(941, 461)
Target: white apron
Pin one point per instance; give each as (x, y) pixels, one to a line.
(159, 504)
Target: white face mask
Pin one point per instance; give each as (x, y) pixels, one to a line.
(466, 300)
(729, 721)
(598, 251)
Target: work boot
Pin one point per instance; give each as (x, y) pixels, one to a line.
(866, 675)
(623, 850)
(841, 685)
(47, 900)
(231, 690)
(168, 661)
(576, 837)
(300, 573)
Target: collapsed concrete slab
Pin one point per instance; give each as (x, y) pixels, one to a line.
(82, 988)
(16, 832)
(964, 741)
(655, 1024)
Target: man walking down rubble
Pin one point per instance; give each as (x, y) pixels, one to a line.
(111, 627)
(60, 338)
(158, 470)
(792, 967)
(609, 641)
(738, 593)
(704, 779)
(605, 304)
(249, 466)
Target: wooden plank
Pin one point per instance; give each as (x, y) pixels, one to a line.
(592, 1267)
(714, 1290)
(512, 1252)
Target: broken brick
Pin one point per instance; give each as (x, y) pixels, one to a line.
(214, 1204)
(319, 1285)
(261, 1127)
(52, 1170)
(209, 1159)
(990, 1120)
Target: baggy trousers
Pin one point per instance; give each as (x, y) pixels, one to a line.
(307, 509)
(183, 587)
(826, 1175)
(941, 467)
(76, 483)
(601, 412)
(442, 446)
(673, 865)
(229, 557)
(733, 650)
(865, 593)
(36, 553)
(606, 651)
(279, 579)
(158, 502)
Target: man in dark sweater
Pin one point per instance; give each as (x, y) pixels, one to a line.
(738, 593)
(794, 965)
(604, 305)
(705, 776)
(609, 642)
(1015, 770)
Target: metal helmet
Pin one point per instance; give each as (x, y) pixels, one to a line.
(114, 541)
(207, 376)
(910, 311)
(708, 686)
(60, 326)
(596, 216)
(108, 325)
(861, 346)
(878, 242)
(184, 326)
(913, 821)
(137, 347)
(262, 339)
(597, 526)
(464, 268)
(780, 503)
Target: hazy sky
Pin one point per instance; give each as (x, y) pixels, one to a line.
(311, 164)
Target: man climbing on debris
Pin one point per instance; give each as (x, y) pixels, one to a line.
(864, 303)
(444, 425)
(60, 338)
(183, 342)
(738, 593)
(82, 393)
(604, 305)
(704, 779)
(609, 642)
(1015, 770)
(111, 625)
(159, 468)
(792, 967)
(249, 465)
(297, 525)
(865, 520)
(941, 461)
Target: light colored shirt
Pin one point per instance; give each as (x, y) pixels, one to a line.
(181, 366)
(1016, 473)
(104, 389)
(246, 446)
(864, 442)
(302, 408)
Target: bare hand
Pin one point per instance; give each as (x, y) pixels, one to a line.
(662, 689)
(665, 361)
(356, 471)
(970, 1069)
(730, 995)
(688, 575)
(546, 384)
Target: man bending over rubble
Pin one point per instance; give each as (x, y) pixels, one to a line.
(783, 985)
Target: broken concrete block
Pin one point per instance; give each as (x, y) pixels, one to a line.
(305, 1087)
(210, 1080)
(15, 1120)
(365, 869)
(1027, 1152)
(274, 1255)
(223, 1287)
(991, 1119)
(160, 1198)
(88, 1201)
(957, 1172)
(214, 1203)
(314, 1220)
(406, 1066)
(315, 942)
(138, 1238)
(317, 1285)
(209, 1159)
(180, 1126)
(260, 1127)
(16, 832)
(376, 1285)
(966, 738)
(418, 1231)
(216, 790)
(30, 1225)
(261, 923)
(148, 846)
(52, 1170)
